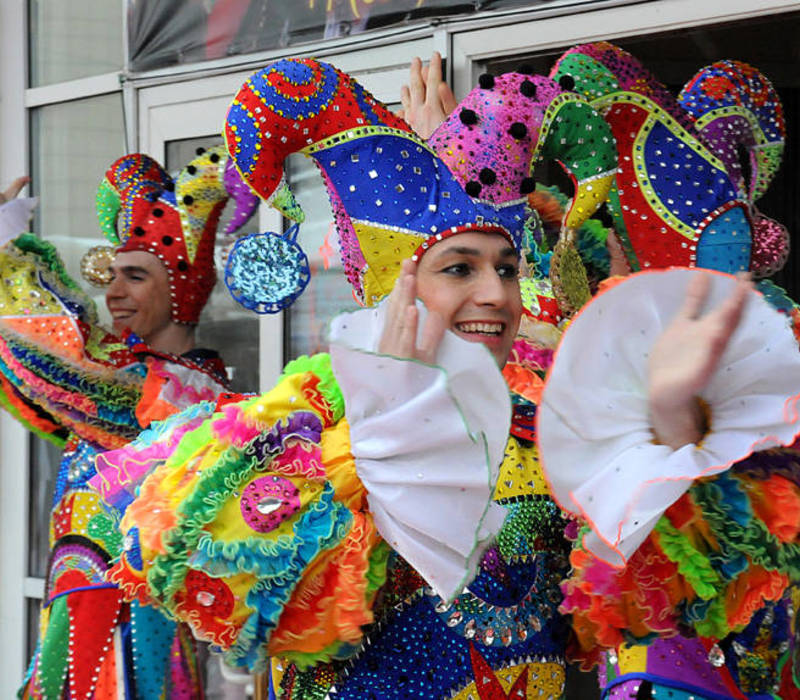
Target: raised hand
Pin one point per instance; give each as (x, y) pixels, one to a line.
(14, 189)
(427, 99)
(399, 337)
(685, 357)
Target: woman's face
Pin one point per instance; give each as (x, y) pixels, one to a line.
(471, 280)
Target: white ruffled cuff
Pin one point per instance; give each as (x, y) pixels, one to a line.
(14, 217)
(594, 433)
(428, 442)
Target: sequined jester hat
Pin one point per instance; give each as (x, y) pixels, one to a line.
(140, 207)
(394, 195)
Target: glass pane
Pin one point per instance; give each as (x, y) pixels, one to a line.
(32, 606)
(170, 32)
(224, 325)
(674, 58)
(44, 461)
(74, 39)
(328, 292)
(73, 143)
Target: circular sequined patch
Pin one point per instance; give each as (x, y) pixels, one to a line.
(268, 501)
(267, 272)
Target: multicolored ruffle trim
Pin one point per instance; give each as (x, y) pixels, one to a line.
(718, 554)
(251, 521)
(59, 369)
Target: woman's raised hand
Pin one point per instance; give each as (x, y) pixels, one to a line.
(684, 358)
(399, 337)
(427, 99)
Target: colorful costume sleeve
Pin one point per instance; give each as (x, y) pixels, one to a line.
(705, 533)
(410, 423)
(264, 523)
(58, 369)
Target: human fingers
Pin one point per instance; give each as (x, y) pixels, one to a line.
(433, 78)
(14, 189)
(447, 98)
(395, 320)
(728, 315)
(405, 100)
(398, 298)
(432, 334)
(407, 339)
(416, 84)
(696, 295)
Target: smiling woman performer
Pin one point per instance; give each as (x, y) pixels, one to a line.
(359, 490)
(88, 390)
(334, 522)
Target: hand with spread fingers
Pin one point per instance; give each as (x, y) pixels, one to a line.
(399, 337)
(685, 357)
(14, 189)
(427, 99)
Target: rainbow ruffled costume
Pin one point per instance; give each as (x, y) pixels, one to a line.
(687, 567)
(70, 381)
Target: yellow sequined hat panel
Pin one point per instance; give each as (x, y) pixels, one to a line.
(384, 250)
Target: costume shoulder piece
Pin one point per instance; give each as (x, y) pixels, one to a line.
(251, 521)
(60, 371)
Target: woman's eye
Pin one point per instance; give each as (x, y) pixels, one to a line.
(459, 269)
(508, 271)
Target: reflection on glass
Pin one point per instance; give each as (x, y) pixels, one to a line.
(74, 39)
(328, 293)
(224, 325)
(169, 32)
(73, 144)
(44, 461)
(32, 629)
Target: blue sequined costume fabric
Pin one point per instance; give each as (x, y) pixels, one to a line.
(502, 638)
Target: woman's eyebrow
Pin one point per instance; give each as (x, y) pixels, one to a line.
(460, 250)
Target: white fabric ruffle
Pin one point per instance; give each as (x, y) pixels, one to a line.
(595, 440)
(14, 217)
(428, 442)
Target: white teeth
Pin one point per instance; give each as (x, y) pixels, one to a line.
(494, 328)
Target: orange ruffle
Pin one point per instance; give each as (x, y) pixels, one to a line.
(776, 501)
(330, 603)
(524, 382)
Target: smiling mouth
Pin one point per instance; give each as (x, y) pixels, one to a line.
(481, 328)
(121, 315)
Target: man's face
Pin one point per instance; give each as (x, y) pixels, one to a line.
(471, 280)
(139, 294)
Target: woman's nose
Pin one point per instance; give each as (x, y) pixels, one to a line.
(491, 289)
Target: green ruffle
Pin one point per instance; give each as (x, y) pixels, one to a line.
(320, 364)
(47, 253)
(726, 508)
(693, 565)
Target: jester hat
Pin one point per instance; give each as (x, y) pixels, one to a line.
(679, 197)
(140, 207)
(393, 195)
(739, 114)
